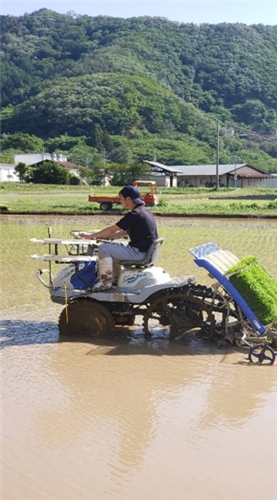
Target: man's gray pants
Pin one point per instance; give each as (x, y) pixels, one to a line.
(120, 251)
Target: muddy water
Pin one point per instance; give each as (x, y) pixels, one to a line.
(136, 419)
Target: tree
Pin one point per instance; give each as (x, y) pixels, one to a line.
(74, 180)
(84, 155)
(24, 142)
(123, 175)
(64, 143)
(255, 114)
(86, 175)
(20, 169)
(47, 172)
(122, 155)
(96, 137)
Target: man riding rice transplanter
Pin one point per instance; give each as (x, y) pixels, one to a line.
(138, 224)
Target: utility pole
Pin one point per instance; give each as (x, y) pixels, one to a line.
(235, 172)
(87, 160)
(217, 155)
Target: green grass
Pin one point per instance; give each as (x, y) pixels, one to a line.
(18, 272)
(37, 198)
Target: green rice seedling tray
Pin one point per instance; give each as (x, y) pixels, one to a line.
(257, 286)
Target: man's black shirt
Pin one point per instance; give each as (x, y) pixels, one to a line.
(140, 226)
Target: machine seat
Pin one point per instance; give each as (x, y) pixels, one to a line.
(150, 258)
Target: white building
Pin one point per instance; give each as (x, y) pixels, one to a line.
(7, 173)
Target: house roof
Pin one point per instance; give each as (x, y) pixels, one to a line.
(208, 170)
(161, 167)
(67, 164)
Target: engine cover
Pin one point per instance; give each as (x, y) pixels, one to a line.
(131, 280)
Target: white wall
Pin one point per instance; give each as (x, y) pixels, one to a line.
(164, 180)
(271, 183)
(7, 173)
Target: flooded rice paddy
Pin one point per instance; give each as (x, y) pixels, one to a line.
(131, 419)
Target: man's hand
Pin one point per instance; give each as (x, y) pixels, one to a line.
(86, 236)
(105, 234)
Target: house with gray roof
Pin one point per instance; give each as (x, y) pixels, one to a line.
(231, 175)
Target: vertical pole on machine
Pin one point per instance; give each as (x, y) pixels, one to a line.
(49, 250)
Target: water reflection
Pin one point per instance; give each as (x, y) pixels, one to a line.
(241, 398)
(111, 391)
(112, 405)
(19, 332)
(127, 389)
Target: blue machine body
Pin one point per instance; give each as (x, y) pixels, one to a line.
(85, 276)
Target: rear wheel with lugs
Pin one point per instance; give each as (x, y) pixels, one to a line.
(86, 318)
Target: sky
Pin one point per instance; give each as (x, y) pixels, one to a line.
(184, 11)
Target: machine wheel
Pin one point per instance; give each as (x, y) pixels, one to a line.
(86, 318)
(261, 353)
(106, 205)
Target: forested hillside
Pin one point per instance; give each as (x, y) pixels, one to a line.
(122, 90)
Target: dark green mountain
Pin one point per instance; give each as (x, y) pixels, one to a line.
(142, 82)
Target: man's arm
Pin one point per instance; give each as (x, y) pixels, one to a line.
(110, 232)
(120, 234)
